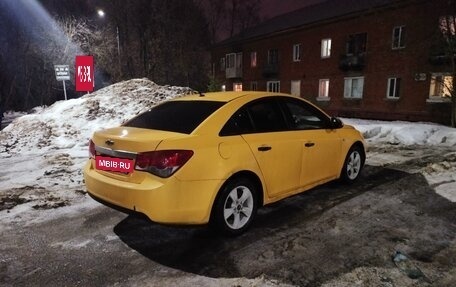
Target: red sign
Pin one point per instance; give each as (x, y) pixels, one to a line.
(84, 74)
(124, 165)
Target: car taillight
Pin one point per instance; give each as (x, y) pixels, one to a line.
(92, 151)
(162, 163)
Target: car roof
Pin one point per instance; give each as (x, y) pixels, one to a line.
(227, 96)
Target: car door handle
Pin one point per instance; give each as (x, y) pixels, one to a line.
(309, 144)
(264, 148)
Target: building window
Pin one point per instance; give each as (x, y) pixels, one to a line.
(296, 52)
(356, 44)
(394, 86)
(447, 25)
(441, 86)
(234, 60)
(325, 48)
(253, 86)
(323, 89)
(398, 37)
(273, 57)
(222, 64)
(253, 59)
(296, 88)
(237, 87)
(273, 86)
(353, 88)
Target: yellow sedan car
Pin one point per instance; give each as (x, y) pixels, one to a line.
(216, 157)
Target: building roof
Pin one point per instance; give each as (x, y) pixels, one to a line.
(324, 11)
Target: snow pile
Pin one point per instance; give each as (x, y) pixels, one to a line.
(405, 133)
(69, 124)
(47, 149)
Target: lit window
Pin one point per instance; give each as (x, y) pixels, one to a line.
(273, 86)
(353, 88)
(253, 59)
(441, 86)
(323, 88)
(325, 48)
(253, 86)
(398, 37)
(394, 86)
(237, 87)
(297, 52)
(448, 25)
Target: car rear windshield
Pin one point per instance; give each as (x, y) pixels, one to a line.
(175, 116)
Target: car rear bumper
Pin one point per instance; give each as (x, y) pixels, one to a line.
(162, 200)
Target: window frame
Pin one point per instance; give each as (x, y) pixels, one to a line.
(396, 88)
(433, 82)
(273, 56)
(325, 51)
(351, 97)
(272, 83)
(400, 38)
(326, 90)
(297, 52)
(291, 121)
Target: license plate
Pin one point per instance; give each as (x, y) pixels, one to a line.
(123, 165)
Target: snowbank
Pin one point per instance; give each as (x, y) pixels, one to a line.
(406, 133)
(48, 148)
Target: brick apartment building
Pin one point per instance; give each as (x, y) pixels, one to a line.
(377, 59)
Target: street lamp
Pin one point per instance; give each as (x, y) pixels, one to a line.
(102, 14)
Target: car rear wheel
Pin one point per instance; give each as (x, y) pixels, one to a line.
(353, 164)
(235, 207)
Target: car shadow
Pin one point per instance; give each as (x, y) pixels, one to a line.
(200, 251)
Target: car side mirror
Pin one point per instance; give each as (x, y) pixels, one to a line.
(336, 123)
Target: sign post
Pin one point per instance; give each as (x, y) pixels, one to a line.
(62, 73)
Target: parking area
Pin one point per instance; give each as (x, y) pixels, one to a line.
(389, 229)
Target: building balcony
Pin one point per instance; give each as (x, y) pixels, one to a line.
(355, 62)
(270, 70)
(232, 73)
(439, 59)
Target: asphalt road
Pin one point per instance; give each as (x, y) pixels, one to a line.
(322, 236)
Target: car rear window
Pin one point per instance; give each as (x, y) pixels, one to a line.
(175, 116)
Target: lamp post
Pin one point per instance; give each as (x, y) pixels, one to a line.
(102, 14)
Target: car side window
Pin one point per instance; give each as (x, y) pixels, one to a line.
(266, 116)
(304, 117)
(238, 124)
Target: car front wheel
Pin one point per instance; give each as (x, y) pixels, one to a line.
(235, 207)
(353, 164)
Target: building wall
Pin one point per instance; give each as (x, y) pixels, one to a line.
(420, 19)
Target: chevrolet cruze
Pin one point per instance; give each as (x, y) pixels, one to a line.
(217, 157)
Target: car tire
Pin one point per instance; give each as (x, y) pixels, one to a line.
(235, 207)
(353, 164)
